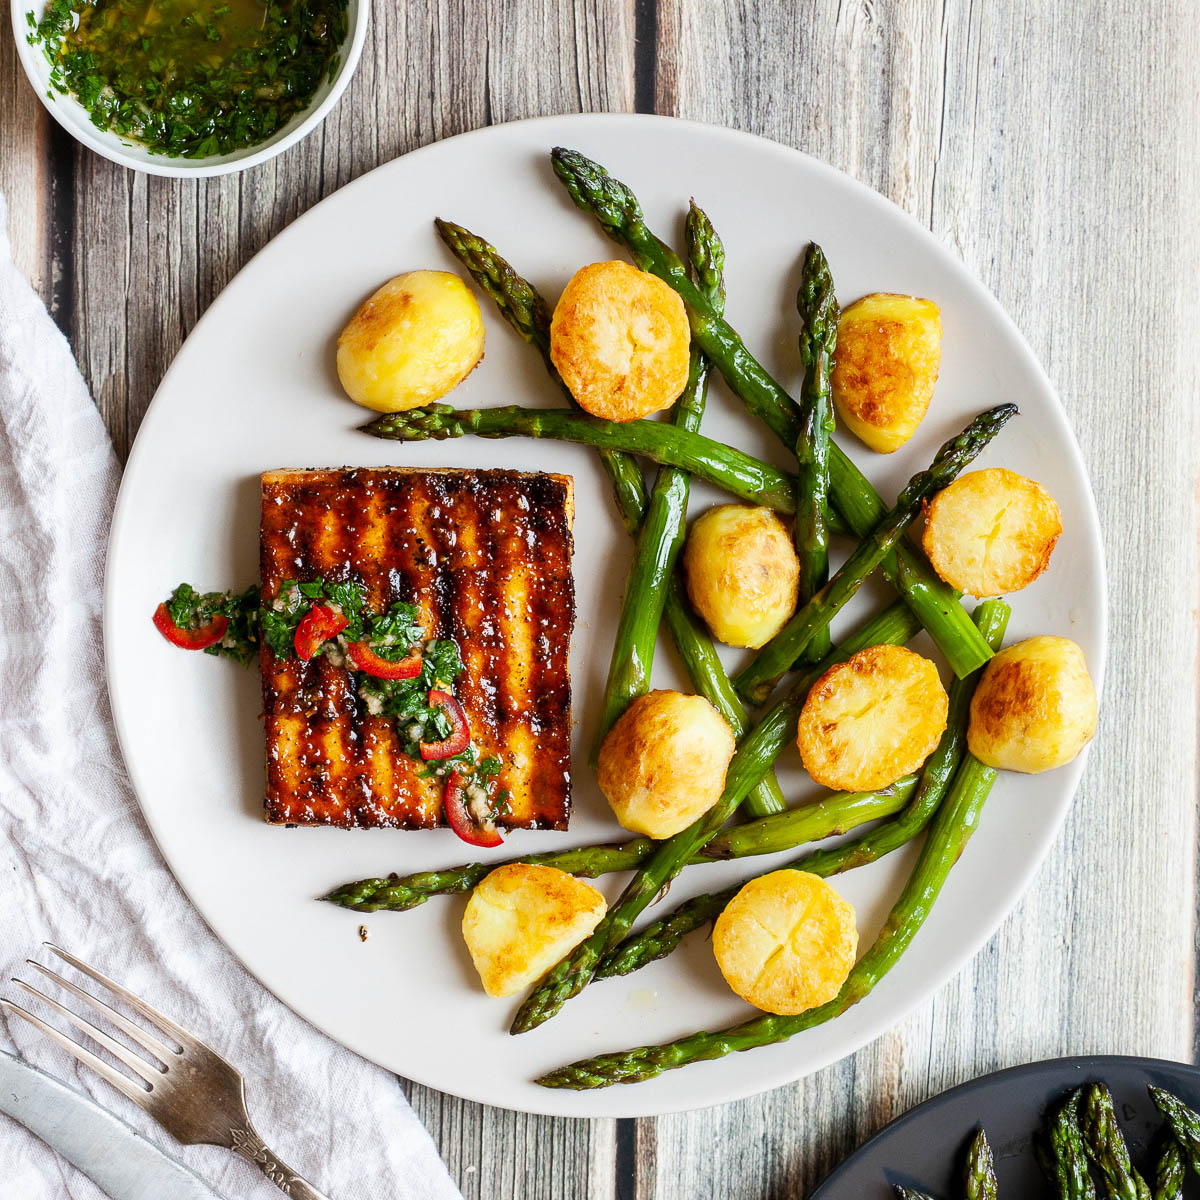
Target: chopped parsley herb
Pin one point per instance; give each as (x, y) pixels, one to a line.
(407, 700)
(391, 634)
(190, 609)
(191, 78)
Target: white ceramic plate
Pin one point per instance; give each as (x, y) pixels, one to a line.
(73, 117)
(254, 388)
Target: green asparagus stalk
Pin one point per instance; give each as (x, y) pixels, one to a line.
(747, 478)
(707, 673)
(523, 308)
(660, 537)
(980, 1172)
(1169, 1172)
(1064, 1160)
(907, 1193)
(777, 656)
(616, 208)
(1184, 1123)
(570, 976)
(1105, 1145)
(818, 308)
(660, 938)
(952, 827)
(895, 626)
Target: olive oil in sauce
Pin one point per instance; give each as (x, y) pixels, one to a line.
(191, 78)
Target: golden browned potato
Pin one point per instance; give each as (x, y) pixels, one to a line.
(886, 362)
(522, 919)
(412, 341)
(620, 339)
(1035, 706)
(663, 763)
(786, 942)
(871, 719)
(991, 531)
(742, 573)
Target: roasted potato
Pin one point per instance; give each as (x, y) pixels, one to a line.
(663, 763)
(886, 362)
(871, 719)
(1035, 707)
(991, 532)
(786, 942)
(411, 341)
(522, 919)
(742, 573)
(619, 338)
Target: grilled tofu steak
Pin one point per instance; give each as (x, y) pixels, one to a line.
(486, 556)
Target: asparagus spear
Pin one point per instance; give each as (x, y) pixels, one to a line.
(952, 827)
(1169, 1172)
(747, 478)
(819, 314)
(523, 308)
(660, 537)
(707, 673)
(1064, 1161)
(757, 680)
(660, 938)
(1184, 1123)
(617, 209)
(906, 1193)
(1105, 1145)
(895, 625)
(980, 1173)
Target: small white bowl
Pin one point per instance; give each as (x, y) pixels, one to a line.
(73, 117)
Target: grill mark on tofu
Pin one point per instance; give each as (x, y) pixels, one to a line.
(415, 558)
(516, 663)
(552, 597)
(345, 517)
(464, 616)
(369, 548)
(500, 587)
(376, 745)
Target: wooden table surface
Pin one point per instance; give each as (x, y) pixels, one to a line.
(1052, 146)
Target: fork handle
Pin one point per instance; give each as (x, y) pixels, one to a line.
(250, 1146)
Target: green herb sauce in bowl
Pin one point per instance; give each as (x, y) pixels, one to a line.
(191, 87)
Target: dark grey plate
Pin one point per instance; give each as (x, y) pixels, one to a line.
(924, 1149)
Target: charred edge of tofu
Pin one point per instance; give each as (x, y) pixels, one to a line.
(486, 556)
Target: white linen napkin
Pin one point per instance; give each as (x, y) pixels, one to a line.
(77, 864)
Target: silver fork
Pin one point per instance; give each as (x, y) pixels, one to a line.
(192, 1092)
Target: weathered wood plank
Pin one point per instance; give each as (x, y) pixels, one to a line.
(1054, 149)
(25, 169)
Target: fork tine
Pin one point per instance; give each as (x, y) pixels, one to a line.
(135, 1062)
(123, 1084)
(164, 1054)
(165, 1024)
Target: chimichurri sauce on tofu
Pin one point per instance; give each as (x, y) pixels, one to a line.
(191, 78)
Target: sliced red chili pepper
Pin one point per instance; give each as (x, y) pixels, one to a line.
(189, 639)
(460, 818)
(365, 659)
(316, 627)
(460, 731)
